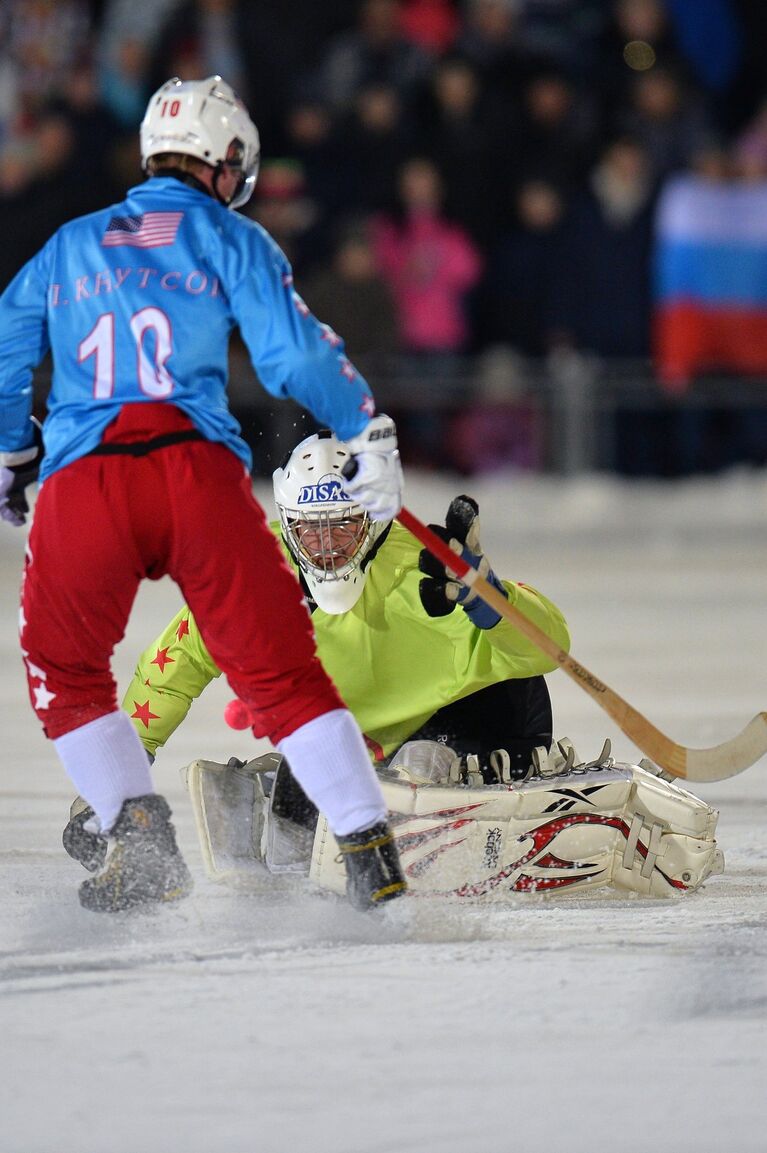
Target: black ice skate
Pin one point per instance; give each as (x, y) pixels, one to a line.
(144, 867)
(373, 871)
(88, 849)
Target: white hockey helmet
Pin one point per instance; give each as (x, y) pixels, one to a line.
(207, 120)
(331, 539)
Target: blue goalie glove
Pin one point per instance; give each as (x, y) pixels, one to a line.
(440, 590)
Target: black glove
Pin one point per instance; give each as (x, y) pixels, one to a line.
(14, 479)
(440, 590)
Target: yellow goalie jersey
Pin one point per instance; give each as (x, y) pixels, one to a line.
(393, 665)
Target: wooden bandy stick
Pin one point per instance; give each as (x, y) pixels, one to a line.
(715, 764)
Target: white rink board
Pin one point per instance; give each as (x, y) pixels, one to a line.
(281, 1020)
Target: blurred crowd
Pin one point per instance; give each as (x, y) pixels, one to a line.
(448, 177)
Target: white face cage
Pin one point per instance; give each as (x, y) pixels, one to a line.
(207, 120)
(330, 537)
(329, 541)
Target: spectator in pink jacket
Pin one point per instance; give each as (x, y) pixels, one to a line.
(430, 265)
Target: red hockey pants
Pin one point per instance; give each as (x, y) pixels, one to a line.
(104, 523)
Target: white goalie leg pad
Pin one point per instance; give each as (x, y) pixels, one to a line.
(604, 824)
(230, 808)
(240, 837)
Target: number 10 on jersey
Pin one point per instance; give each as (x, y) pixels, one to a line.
(152, 353)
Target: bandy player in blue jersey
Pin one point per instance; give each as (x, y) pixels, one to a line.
(143, 473)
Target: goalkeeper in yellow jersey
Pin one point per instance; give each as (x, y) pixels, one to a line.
(415, 655)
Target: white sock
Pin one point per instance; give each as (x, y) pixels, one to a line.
(107, 764)
(328, 758)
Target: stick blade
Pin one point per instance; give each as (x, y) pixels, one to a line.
(731, 757)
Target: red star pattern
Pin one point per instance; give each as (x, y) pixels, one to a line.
(287, 279)
(347, 369)
(183, 629)
(162, 659)
(368, 406)
(330, 336)
(144, 714)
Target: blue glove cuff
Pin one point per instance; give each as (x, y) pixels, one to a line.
(481, 615)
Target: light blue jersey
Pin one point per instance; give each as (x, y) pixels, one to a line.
(137, 303)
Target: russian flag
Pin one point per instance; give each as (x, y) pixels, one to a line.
(710, 279)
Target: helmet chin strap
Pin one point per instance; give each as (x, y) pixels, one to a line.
(195, 182)
(217, 172)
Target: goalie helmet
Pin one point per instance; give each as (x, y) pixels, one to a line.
(207, 120)
(331, 539)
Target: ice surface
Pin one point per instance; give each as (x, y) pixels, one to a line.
(278, 1019)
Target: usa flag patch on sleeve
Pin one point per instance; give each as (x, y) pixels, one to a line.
(147, 230)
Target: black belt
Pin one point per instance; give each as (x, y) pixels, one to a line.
(142, 447)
